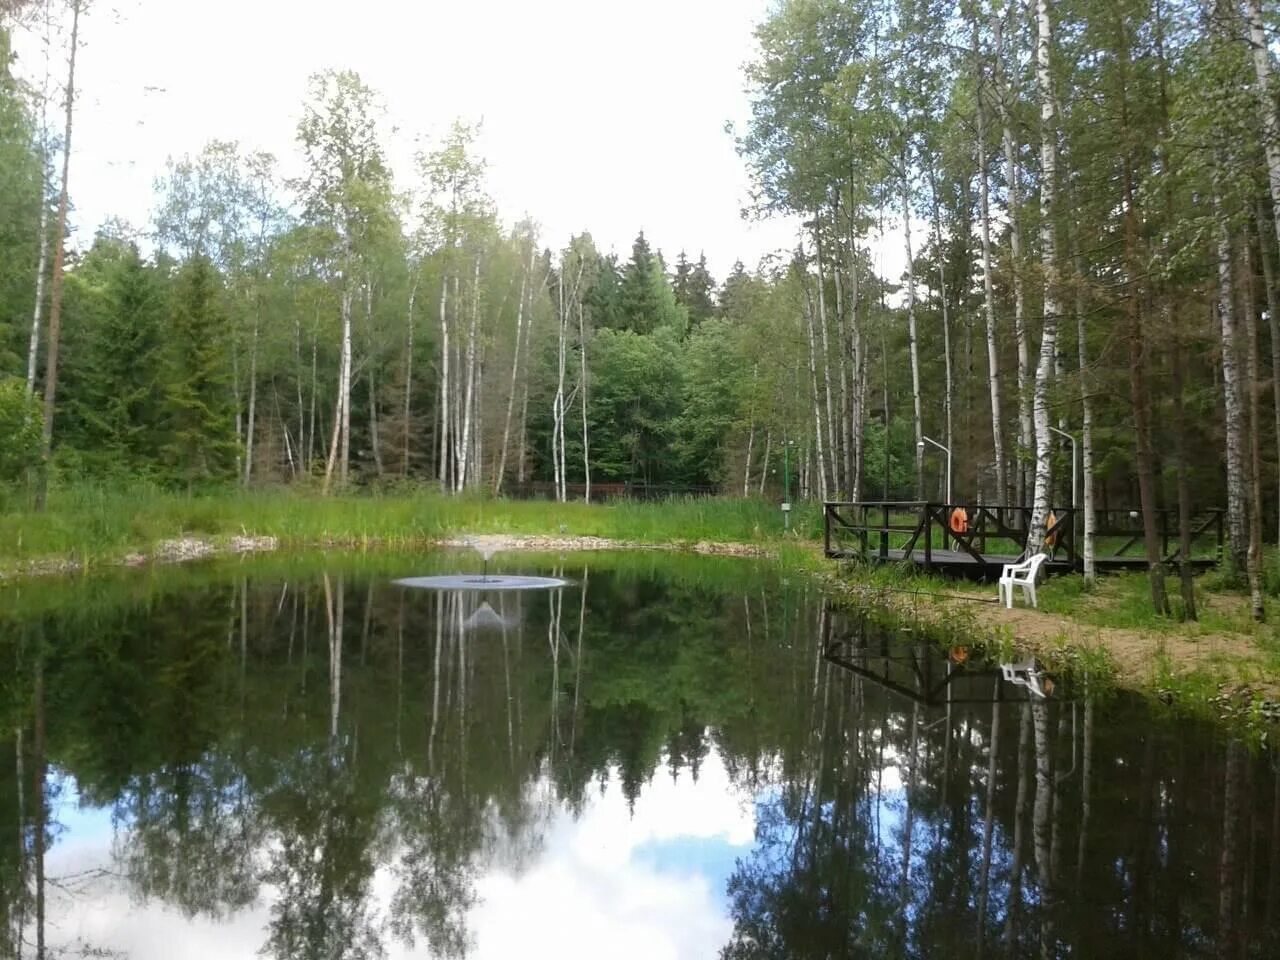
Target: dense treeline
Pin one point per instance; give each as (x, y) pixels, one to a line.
(1083, 197)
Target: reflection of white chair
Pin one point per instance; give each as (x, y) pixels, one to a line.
(1024, 675)
(1022, 575)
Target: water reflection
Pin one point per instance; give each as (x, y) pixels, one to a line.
(678, 761)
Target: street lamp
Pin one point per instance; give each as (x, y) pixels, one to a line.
(920, 446)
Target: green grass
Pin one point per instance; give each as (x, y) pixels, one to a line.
(97, 524)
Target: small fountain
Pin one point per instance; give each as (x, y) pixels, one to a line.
(484, 617)
(486, 548)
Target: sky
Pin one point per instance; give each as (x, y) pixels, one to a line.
(601, 115)
(647, 882)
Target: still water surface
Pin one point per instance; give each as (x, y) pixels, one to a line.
(655, 761)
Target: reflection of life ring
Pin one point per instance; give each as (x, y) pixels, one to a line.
(959, 522)
(1051, 539)
(959, 654)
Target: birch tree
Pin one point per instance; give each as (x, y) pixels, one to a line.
(59, 263)
(347, 199)
(1049, 266)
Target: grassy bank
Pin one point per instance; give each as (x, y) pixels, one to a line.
(93, 525)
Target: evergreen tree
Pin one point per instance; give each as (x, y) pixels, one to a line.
(199, 406)
(699, 298)
(640, 298)
(604, 297)
(118, 394)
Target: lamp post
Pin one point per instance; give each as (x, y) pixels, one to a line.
(920, 446)
(786, 484)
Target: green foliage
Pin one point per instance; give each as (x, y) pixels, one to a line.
(646, 300)
(21, 194)
(635, 399)
(20, 421)
(118, 389)
(199, 416)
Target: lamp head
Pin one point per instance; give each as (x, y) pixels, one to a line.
(919, 444)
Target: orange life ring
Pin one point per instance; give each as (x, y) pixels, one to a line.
(1051, 539)
(959, 521)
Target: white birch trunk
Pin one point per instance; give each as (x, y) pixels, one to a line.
(1049, 265)
(826, 361)
(913, 343)
(1231, 390)
(764, 467)
(444, 383)
(857, 410)
(33, 348)
(948, 385)
(42, 256)
(586, 444)
(340, 418)
(515, 376)
(1266, 101)
(408, 380)
(1026, 436)
(817, 406)
(346, 389)
(557, 411)
(988, 290)
(468, 400)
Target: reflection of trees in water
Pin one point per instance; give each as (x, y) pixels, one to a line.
(1021, 837)
(304, 745)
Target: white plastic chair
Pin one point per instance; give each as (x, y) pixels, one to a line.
(1026, 674)
(1022, 575)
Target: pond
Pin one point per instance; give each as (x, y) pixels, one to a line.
(668, 757)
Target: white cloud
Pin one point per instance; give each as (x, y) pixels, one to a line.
(598, 114)
(590, 885)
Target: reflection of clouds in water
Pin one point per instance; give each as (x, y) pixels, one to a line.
(647, 881)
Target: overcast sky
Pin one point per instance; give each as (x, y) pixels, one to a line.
(597, 114)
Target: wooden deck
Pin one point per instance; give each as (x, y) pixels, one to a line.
(918, 533)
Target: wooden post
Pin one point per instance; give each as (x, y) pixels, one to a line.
(927, 519)
(828, 514)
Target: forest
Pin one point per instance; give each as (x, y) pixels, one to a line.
(1083, 197)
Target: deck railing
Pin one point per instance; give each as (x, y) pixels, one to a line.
(913, 530)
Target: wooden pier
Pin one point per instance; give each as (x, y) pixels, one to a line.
(920, 533)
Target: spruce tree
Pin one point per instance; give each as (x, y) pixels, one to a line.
(118, 393)
(639, 305)
(201, 444)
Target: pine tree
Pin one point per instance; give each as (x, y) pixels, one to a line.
(640, 301)
(700, 300)
(200, 416)
(117, 392)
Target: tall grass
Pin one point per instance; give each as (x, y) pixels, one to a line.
(102, 522)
